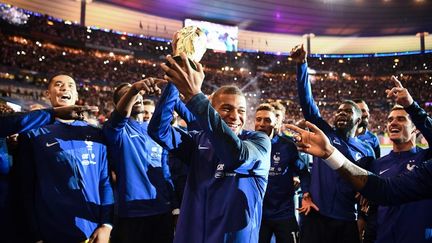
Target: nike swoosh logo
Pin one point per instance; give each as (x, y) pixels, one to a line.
(336, 142)
(134, 136)
(383, 171)
(51, 144)
(202, 147)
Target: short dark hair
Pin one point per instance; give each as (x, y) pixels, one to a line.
(357, 109)
(226, 89)
(148, 102)
(52, 76)
(265, 107)
(399, 108)
(116, 95)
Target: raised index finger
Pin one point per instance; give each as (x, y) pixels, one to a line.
(396, 82)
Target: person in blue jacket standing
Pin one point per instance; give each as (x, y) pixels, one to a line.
(64, 177)
(228, 167)
(278, 209)
(415, 182)
(363, 133)
(409, 222)
(336, 219)
(144, 187)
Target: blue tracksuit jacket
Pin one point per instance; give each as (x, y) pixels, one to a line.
(227, 177)
(330, 192)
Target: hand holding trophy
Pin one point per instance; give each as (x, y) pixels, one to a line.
(192, 41)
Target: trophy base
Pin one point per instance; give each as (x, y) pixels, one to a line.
(179, 60)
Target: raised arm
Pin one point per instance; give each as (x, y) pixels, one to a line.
(160, 129)
(412, 186)
(21, 122)
(309, 108)
(146, 86)
(420, 118)
(228, 146)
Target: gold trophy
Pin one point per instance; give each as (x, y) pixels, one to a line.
(192, 41)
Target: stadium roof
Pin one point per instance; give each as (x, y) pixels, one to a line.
(321, 17)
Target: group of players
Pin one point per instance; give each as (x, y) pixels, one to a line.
(239, 185)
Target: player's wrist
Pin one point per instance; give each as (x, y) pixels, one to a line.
(335, 160)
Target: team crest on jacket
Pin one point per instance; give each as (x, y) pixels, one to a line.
(410, 166)
(276, 157)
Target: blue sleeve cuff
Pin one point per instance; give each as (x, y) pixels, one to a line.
(195, 103)
(116, 120)
(371, 185)
(413, 108)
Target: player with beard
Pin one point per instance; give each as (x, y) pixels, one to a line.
(278, 208)
(144, 188)
(403, 180)
(362, 130)
(228, 167)
(336, 219)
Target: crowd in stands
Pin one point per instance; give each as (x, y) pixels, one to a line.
(100, 59)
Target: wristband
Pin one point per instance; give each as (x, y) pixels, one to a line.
(108, 225)
(176, 211)
(335, 160)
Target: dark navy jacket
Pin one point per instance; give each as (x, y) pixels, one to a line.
(278, 200)
(143, 179)
(372, 140)
(21, 122)
(409, 222)
(228, 174)
(66, 189)
(334, 196)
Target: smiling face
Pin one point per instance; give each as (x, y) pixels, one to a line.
(232, 109)
(400, 127)
(62, 91)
